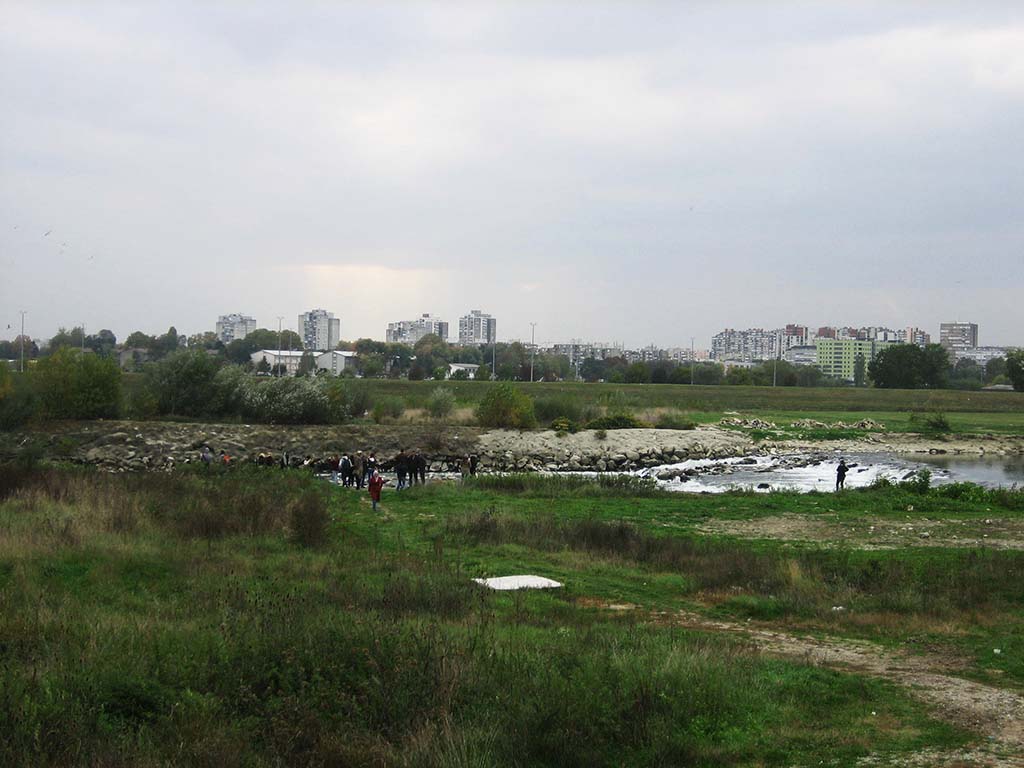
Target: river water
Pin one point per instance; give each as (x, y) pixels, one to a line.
(809, 472)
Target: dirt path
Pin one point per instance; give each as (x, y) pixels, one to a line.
(871, 532)
(996, 714)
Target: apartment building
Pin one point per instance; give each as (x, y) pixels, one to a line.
(319, 329)
(234, 326)
(411, 331)
(477, 328)
(957, 338)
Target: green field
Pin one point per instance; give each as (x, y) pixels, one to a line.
(266, 618)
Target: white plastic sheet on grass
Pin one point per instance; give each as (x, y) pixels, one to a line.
(518, 582)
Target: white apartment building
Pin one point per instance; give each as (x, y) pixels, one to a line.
(289, 358)
(319, 329)
(411, 331)
(234, 326)
(981, 355)
(336, 361)
(477, 328)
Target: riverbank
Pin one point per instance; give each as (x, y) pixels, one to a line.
(137, 446)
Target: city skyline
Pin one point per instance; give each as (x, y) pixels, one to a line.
(618, 172)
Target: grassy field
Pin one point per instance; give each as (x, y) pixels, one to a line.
(251, 618)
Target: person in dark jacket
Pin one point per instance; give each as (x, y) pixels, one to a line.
(358, 469)
(841, 471)
(401, 468)
(345, 468)
(420, 467)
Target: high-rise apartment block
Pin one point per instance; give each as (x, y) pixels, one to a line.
(746, 346)
(319, 329)
(477, 328)
(838, 357)
(411, 331)
(958, 337)
(234, 326)
(913, 335)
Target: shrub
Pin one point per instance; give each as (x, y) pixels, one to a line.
(183, 383)
(674, 421)
(73, 385)
(387, 408)
(548, 409)
(17, 404)
(930, 421)
(285, 401)
(348, 400)
(505, 407)
(309, 520)
(601, 434)
(620, 421)
(441, 403)
(563, 425)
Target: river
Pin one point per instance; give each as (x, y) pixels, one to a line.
(817, 472)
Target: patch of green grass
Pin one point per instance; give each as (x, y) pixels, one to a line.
(158, 643)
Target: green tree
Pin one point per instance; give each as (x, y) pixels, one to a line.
(899, 366)
(483, 373)
(505, 407)
(139, 340)
(307, 364)
(263, 366)
(1015, 369)
(638, 373)
(441, 403)
(183, 382)
(76, 386)
(934, 366)
(995, 368)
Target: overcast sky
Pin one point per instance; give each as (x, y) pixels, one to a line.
(636, 172)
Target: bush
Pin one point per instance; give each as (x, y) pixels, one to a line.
(73, 385)
(547, 409)
(348, 400)
(930, 421)
(285, 401)
(441, 403)
(309, 520)
(674, 421)
(17, 404)
(183, 383)
(505, 407)
(563, 425)
(387, 408)
(601, 434)
(620, 421)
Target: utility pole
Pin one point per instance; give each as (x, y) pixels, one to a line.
(494, 357)
(533, 347)
(83, 338)
(693, 361)
(277, 357)
(22, 339)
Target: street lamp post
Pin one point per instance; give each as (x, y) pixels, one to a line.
(533, 347)
(277, 357)
(693, 361)
(22, 340)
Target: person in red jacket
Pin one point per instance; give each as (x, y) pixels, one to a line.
(375, 485)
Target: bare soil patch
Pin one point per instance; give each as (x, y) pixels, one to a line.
(870, 532)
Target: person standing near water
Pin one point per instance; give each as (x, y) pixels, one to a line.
(841, 471)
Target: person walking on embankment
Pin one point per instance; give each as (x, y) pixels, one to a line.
(376, 485)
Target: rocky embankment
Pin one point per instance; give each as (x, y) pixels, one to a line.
(133, 446)
(619, 450)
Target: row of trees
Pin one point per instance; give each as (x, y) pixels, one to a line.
(907, 366)
(902, 366)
